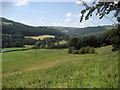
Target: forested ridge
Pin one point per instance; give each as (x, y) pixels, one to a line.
(81, 32)
(26, 30)
(65, 32)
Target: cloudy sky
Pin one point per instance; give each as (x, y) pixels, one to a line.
(49, 14)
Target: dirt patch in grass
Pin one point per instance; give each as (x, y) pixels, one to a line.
(44, 65)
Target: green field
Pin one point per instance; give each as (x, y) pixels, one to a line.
(6, 23)
(9, 49)
(52, 68)
(19, 48)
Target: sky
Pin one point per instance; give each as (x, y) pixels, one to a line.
(50, 14)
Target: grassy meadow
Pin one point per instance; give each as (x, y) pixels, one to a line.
(18, 48)
(6, 23)
(55, 68)
(9, 49)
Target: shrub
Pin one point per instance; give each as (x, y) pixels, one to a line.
(87, 49)
(92, 50)
(71, 50)
(75, 52)
(82, 50)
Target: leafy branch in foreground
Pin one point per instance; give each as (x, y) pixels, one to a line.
(102, 9)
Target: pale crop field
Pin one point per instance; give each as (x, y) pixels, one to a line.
(41, 37)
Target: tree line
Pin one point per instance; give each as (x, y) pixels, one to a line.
(75, 45)
(16, 40)
(88, 43)
(50, 43)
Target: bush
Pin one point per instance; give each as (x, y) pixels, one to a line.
(91, 50)
(82, 50)
(71, 50)
(87, 49)
(75, 52)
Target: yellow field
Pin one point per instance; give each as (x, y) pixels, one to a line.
(40, 37)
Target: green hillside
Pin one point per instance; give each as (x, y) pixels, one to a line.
(81, 32)
(6, 23)
(15, 27)
(12, 27)
(46, 68)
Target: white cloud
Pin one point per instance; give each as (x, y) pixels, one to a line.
(69, 14)
(89, 0)
(115, 2)
(79, 2)
(21, 2)
(68, 20)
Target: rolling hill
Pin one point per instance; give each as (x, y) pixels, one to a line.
(80, 32)
(11, 27)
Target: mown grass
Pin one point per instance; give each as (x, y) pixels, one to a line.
(71, 71)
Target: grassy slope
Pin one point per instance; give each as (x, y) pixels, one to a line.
(18, 48)
(6, 23)
(83, 71)
(8, 49)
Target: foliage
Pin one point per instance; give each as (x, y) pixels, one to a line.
(102, 9)
(83, 50)
(15, 40)
(90, 41)
(116, 39)
(50, 43)
(73, 42)
(29, 41)
(58, 46)
(71, 50)
(111, 37)
(78, 43)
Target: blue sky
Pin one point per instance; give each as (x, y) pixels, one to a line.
(49, 14)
